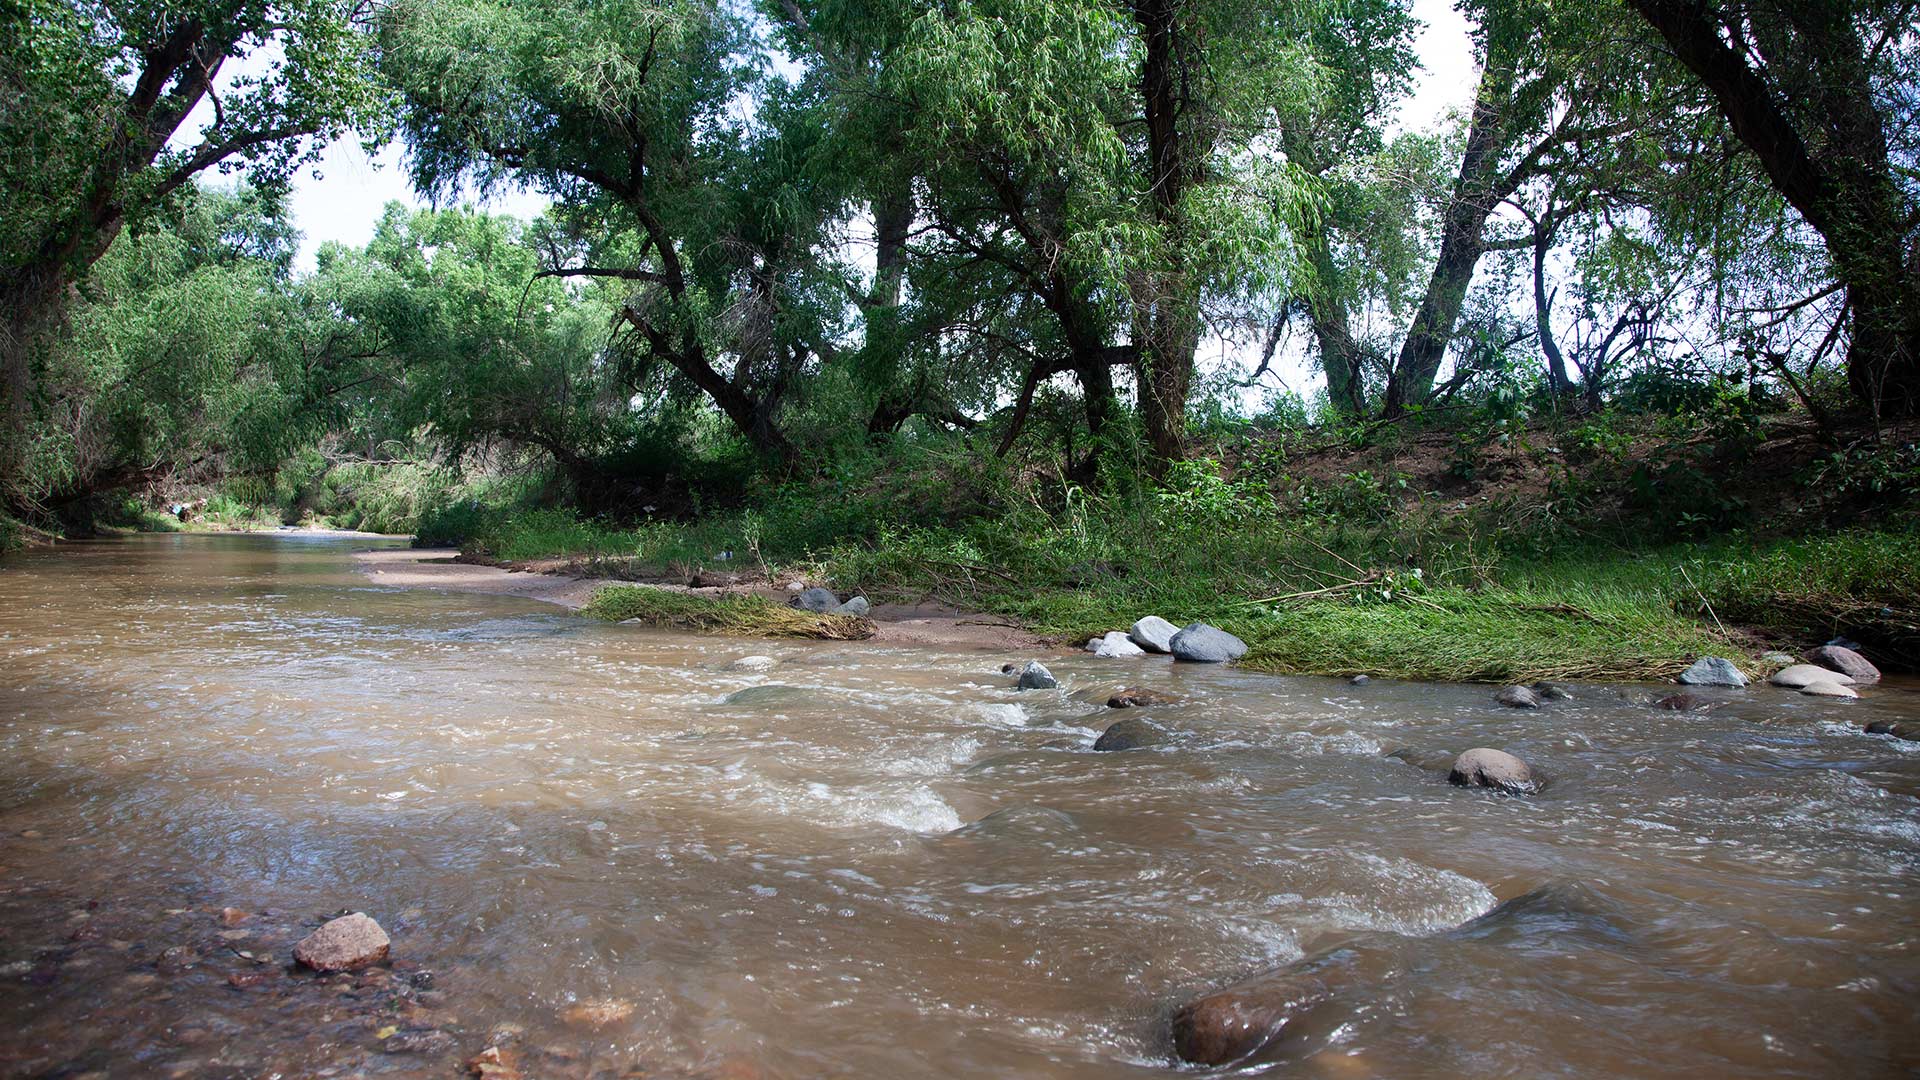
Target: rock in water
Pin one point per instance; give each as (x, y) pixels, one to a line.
(1234, 1023)
(1133, 733)
(753, 663)
(1551, 691)
(1713, 671)
(856, 606)
(344, 944)
(1134, 695)
(1517, 697)
(1801, 676)
(1115, 644)
(1359, 680)
(1846, 661)
(1202, 644)
(1679, 703)
(1899, 729)
(817, 600)
(1828, 689)
(1035, 676)
(1153, 634)
(1484, 767)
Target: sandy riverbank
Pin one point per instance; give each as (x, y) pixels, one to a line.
(898, 624)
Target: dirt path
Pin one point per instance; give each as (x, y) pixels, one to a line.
(555, 582)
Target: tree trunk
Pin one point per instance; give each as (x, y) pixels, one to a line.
(1846, 190)
(1557, 378)
(1170, 310)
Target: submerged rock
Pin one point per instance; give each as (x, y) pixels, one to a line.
(1135, 696)
(1846, 661)
(1517, 697)
(1486, 767)
(1153, 634)
(1035, 676)
(1039, 822)
(773, 695)
(1200, 643)
(817, 600)
(347, 943)
(1713, 671)
(1114, 645)
(753, 663)
(1679, 703)
(598, 1012)
(1828, 689)
(1800, 676)
(1551, 691)
(856, 606)
(1133, 733)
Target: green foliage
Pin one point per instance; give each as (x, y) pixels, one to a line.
(735, 615)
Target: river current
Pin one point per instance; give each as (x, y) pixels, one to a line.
(599, 849)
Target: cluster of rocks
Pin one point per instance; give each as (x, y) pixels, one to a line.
(1197, 643)
(1832, 670)
(826, 602)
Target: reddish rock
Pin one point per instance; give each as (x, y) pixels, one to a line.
(598, 1012)
(1231, 1024)
(1484, 767)
(495, 1063)
(240, 980)
(233, 916)
(344, 944)
(1846, 661)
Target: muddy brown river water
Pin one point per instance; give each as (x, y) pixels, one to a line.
(598, 848)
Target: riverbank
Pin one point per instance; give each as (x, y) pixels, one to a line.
(565, 582)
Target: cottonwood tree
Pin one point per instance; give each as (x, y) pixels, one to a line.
(1824, 96)
(637, 117)
(101, 109)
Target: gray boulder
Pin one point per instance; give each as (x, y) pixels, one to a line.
(1035, 676)
(1497, 769)
(1114, 644)
(1713, 671)
(1202, 644)
(1801, 676)
(1551, 691)
(1517, 697)
(1132, 733)
(1846, 661)
(1153, 634)
(856, 606)
(1359, 680)
(817, 600)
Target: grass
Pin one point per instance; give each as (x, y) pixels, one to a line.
(727, 616)
(1339, 580)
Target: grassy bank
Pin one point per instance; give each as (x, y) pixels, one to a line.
(1411, 595)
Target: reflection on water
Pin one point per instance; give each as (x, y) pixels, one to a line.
(588, 842)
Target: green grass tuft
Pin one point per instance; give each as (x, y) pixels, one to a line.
(736, 615)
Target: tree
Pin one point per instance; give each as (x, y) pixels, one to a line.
(1809, 88)
(99, 108)
(629, 115)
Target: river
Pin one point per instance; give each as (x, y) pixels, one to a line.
(591, 848)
